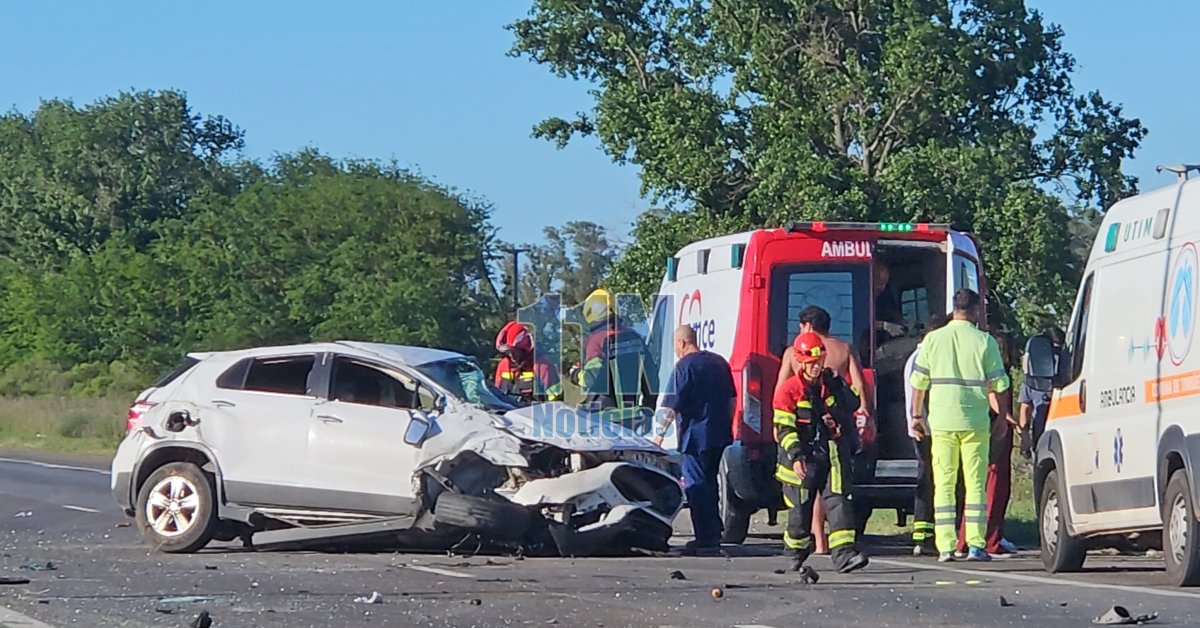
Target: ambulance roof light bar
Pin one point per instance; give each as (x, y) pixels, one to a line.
(886, 227)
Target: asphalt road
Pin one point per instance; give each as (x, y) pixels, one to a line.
(102, 575)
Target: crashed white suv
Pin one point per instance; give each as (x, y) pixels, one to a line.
(345, 441)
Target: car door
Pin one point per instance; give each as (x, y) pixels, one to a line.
(256, 421)
(357, 458)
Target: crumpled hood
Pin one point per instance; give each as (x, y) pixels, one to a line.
(572, 429)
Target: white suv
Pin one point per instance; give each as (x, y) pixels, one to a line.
(343, 440)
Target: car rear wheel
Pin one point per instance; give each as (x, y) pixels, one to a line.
(176, 511)
(1061, 552)
(1181, 536)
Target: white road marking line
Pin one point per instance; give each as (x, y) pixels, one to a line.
(1038, 579)
(440, 572)
(47, 465)
(79, 508)
(751, 626)
(13, 619)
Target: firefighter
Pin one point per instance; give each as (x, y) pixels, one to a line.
(815, 427)
(611, 371)
(521, 374)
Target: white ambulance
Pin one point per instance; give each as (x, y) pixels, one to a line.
(743, 294)
(1121, 449)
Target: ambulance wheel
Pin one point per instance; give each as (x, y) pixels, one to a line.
(1181, 534)
(735, 513)
(862, 514)
(1061, 552)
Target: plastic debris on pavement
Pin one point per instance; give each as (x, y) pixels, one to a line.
(374, 598)
(1120, 616)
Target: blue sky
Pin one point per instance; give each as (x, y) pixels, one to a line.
(428, 83)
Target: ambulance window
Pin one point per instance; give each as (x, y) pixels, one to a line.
(661, 343)
(1079, 330)
(966, 274)
(842, 290)
(914, 304)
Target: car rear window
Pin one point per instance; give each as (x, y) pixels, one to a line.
(284, 375)
(176, 373)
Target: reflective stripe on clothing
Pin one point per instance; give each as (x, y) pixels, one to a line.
(958, 364)
(971, 449)
(835, 469)
(796, 544)
(785, 418)
(787, 475)
(841, 538)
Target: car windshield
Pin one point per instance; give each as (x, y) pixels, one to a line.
(463, 378)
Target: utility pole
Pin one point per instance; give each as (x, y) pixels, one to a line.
(515, 251)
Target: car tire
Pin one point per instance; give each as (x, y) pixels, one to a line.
(176, 511)
(735, 513)
(493, 517)
(1061, 552)
(1181, 534)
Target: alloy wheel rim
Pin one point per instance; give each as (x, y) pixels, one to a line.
(173, 507)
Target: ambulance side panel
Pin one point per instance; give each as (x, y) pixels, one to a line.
(1175, 390)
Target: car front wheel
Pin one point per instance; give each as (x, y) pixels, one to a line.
(1061, 552)
(176, 511)
(1181, 544)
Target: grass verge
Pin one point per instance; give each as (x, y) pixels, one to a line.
(63, 424)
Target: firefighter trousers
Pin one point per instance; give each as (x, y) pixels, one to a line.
(832, 480)
(971, 449)
(923, 498)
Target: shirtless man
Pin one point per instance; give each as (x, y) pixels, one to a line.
(841, 360)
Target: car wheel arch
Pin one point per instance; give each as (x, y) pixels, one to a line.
(165, 453)
(1175, 455)
(1049, 458)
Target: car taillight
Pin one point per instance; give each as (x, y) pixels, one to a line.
(752, 397)
(136, 412)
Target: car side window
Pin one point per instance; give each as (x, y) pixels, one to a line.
(287, 375)
(356, 382)
(1079, 329)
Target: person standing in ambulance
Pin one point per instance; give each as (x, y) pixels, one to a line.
(520, 374)
(814, 425)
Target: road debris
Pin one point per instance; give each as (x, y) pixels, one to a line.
(164, 610)
(476, 602)
(49, 566)
(1004, 603)
(718, 593)
(5, 580)
(374, 598)
(185, 599)
(678, 575)
(23, 514)
(124, 524)
(210, 568)
(1120, 616)
(203, 620)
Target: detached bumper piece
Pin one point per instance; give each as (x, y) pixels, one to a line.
(618, 532)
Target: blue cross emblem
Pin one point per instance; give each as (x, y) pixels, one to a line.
(1118, 450)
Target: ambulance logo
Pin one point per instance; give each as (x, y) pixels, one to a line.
(1181, 312)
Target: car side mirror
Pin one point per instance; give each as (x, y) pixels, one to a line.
(417, 430)
(1042, 367)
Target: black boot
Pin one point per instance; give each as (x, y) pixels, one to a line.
(854, 563)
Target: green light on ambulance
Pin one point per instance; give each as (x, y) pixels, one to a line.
(897, 227)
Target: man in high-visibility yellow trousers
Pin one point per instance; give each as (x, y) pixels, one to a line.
(957, 367)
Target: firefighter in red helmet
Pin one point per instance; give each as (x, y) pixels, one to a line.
(520, 374)
(816, 431)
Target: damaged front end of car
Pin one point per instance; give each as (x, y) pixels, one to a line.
(580, 494)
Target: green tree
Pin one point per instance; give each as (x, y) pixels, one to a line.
(74, 177)
(759, 112)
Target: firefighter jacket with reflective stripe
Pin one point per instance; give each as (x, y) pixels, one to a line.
(528, 382)
(612, 374)
(811, 418)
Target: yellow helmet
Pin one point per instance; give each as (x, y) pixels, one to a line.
(597, 306)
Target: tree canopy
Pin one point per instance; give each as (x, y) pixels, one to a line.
(746, 113)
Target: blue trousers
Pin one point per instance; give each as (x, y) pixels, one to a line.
(700, 484)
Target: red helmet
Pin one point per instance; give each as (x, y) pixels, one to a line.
(514, 337)
(809, 347)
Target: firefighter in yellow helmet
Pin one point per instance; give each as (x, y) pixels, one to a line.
(611, 372)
